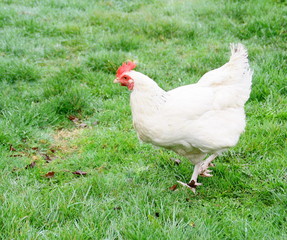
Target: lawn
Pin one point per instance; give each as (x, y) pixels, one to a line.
(71, 164)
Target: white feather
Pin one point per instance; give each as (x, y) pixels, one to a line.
(206, 117)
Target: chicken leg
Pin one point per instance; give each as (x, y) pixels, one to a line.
(201, 169)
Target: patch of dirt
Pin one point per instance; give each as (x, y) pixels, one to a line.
(64, 140)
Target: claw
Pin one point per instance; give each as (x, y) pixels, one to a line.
(211, 165)
(206, 175)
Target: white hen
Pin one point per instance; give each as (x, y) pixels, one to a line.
(193, 120)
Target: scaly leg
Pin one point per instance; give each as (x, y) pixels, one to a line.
(203, 170)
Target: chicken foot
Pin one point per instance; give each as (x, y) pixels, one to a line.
(193, 181)
(204, 171)
(201, 169)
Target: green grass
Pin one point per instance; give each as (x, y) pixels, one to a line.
(58, 59)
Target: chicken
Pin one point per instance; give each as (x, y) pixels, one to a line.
(196, 120)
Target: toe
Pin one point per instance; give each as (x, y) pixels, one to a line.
(206, 175)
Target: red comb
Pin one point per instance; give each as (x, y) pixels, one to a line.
(126, 67)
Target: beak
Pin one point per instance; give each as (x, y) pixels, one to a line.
(116, 80)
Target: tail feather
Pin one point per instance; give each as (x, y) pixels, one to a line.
(239, 56)
(235, 71)
(242, 71)
(237, 49)
(234, 77)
